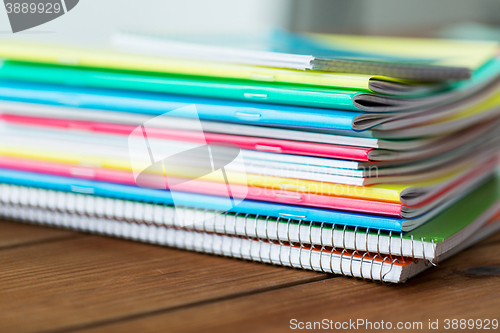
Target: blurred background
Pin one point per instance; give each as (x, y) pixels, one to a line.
(94, 21)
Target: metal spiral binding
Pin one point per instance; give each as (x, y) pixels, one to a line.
(382, 269)
(183, 225)
(225, 233)
(382, 277)
(312, 246)
(147, 217)
(322, 248)
(248, 239)
(366, 240)
(371, 266)
(333, 237)
(355, 252)
(331, 259)
(351, 264)
(235, 233)
(412, 249)
(289, 241)
(390, 243)
(257, 238)
(361, 266)
(205, 233)
(423, 250)
(279, 241)
(401, 244)
(269, 240)
(435, 262)
(378, 242)
(355, 239)
(134, 218)
(214, 231)
(301, 244)
(341, 266)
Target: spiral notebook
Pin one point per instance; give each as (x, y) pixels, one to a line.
(427, 241)
(205, 203)
(70, 211)
(328, 261)
(214, 203)
(411, 194)
(447, 196)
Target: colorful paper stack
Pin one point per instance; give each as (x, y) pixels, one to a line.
(372, 157)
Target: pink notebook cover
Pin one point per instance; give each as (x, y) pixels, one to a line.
(244, 142)
(254, 193)
(206, 187)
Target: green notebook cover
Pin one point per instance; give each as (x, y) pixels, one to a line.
(455, 218)
(461, 214)
(448, 227)
(276, 93)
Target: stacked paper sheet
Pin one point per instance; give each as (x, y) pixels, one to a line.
(330, 165)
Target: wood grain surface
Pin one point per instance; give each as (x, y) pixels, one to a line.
(69, 283)
(12, 234)
(453, 290)
(60, 281)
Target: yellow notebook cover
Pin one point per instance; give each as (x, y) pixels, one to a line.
(380, 192)
(106, 59)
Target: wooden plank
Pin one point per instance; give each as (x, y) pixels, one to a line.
(78, 282)
(16, 234)
(460, 288)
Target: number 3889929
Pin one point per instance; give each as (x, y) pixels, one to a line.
(25, 8)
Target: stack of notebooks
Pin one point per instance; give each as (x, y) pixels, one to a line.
(364, 156)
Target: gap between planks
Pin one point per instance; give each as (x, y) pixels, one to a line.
(95, 247)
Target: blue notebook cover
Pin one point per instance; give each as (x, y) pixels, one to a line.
(157, 104)
(198, 201)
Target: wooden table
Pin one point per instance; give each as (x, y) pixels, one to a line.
(60, 281)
